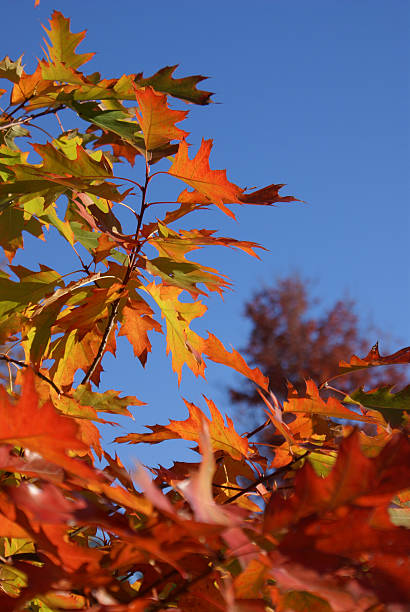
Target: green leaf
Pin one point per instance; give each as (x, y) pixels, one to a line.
(106, 402)
(12, 224)
(32, 287)
(115, 121)
(391, 405)
(184, 89)
(11, 71)
(186, 275)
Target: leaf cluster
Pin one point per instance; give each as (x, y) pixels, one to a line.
(320, 526)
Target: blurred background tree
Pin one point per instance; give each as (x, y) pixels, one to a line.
(289, 341)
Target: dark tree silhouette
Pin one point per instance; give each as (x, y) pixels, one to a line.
(287, 342)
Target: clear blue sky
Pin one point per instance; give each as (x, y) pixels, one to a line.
(312, 94)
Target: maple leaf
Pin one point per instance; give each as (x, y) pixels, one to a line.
(185, 345)
(156, 119)
(222, 437)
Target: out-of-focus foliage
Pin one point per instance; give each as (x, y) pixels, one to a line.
(289, 342)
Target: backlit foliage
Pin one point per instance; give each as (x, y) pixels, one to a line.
(321, 526)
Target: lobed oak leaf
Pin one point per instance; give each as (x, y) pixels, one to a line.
(372, 359)
(136, 321)
(314, 404)
(72, 352)
(183, 88)
(109, 401)
(29, 86)
(63, 43)
(12, 225)
(222, 437)
(353, 479)
(393, 406)
(215, 351)
(45, 503)
(266, 196)
(197, 489)
(156, 119)
(211, 184)
(184, 344)
(12, 71)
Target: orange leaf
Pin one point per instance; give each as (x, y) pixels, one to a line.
(197, 173)
(156, 119)
(215, 350)
(223, 437)
(136, 322)
(313, 404)
(353, 478)
(42, 429)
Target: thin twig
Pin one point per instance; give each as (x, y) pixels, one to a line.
(22, 364)
(29, 118)
(265, 478)
(257, 429)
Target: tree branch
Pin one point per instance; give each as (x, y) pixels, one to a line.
(265, 478)
(22, 364)
(116, 303)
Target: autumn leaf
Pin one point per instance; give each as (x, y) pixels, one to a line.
(392, 406)
(215, 351)
(63, 43)
(353, 477)
(372, 359)
(41, 429)
(10, 70)
(222, 437)
(183, 88)
(156, 119)
(184, 344)
(197, 173)
(136, 321)
(314, 404)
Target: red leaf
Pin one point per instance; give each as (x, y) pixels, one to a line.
(372, 359)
